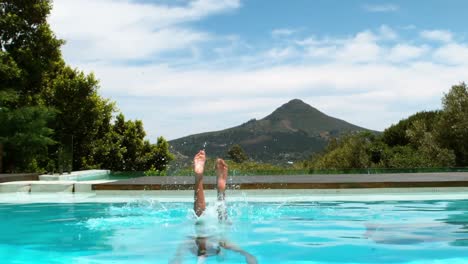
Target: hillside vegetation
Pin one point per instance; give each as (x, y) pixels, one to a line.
(424, 140)
(292, 132)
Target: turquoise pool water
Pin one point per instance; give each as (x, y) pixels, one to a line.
(147, 231)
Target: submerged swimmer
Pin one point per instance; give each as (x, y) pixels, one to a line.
(204, 246)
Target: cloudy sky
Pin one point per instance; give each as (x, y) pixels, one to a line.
(186, 67)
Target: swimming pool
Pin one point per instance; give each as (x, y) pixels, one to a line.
(149, 231)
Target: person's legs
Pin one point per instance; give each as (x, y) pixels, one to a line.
(199, 204)
(221, 172)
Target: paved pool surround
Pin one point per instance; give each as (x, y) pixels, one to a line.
(325, 181)
(76, 176)
(19, 177)
(77, 181)
(48, 186)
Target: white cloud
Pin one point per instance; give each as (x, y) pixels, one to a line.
(452, 53)
(424, 80)
(233, 105)
(381, 8)
(362, 48)
(120, 30)
(405, 52)
(437, 35)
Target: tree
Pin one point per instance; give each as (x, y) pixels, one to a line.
(237, 154)
(27, 40)
(124, 148)
(404, 157)
(24, 135)
(452, 129)
(5, 128)
(132, 134)
(83, 117)
(430, 152)
(29, 53)
(108, 152)
(157, 156)
(396, 134)
(349, 152)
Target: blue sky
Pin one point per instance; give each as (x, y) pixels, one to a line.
(187, 67)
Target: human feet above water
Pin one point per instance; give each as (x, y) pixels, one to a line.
(221, 172)
(199, 163)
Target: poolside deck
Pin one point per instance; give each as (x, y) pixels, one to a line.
(19, 177)
(325, 181)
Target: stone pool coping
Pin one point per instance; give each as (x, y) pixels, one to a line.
(316, 181)
(76, 175)
(329, 183)
(48, 186)
(19, 177)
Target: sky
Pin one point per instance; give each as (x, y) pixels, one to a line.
(192, 66)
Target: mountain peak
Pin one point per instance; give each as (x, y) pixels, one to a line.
(293, 108)
(297, 115)
(292, 132)
(294, 103)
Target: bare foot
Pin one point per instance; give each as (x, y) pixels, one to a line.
(199, 164)
(221, 171)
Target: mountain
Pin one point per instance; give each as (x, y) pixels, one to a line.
(292, 132)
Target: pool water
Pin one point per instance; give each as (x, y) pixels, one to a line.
(147, 231)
